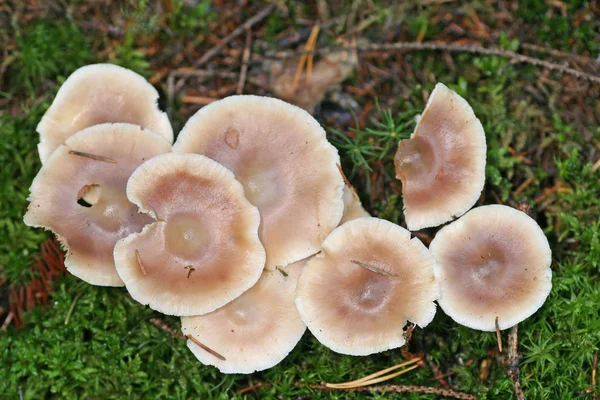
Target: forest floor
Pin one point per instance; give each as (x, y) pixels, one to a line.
(531, 71)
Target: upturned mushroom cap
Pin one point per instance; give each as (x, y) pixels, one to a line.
(254, 332)
(90, 230)
(353, 209)
(204, 249)
(442, 165)
(100, 93)
(492, 262)
(288, 168)
(370, 278)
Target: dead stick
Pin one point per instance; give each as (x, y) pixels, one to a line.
(404, 389)
(498, 335)
(455, 48)
(92, 156)
(245, 61)
(513, 362)
(372, 269)
(205, 347)
(238, 31)
(594, 366)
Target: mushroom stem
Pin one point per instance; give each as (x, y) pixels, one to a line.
(92, 156)
(372, 269)
(205, 348)
(138, 258)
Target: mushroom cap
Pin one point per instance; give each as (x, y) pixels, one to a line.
(353, 209)
(254, 332)
(90, 233)
(204, 249)
(442, 165)
(360, 310)
(492, 262)
(280, 154)
(100, 93)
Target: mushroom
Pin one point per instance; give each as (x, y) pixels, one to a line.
(203, 250)
(442, 165)
(280, 154)
(370, 278)
(494, 262)
(254, 332)
(79, 194)
(100, 93)
(353, 209)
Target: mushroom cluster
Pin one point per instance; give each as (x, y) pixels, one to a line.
(247, 229)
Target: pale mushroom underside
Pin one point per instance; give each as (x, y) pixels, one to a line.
(96, 94)
(370, 278)
(254, 332)
(442, 165)
(203, 251)
(494, 262)
(282, 157)
(90, 229)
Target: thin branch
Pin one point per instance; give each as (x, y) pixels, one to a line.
(404, 389)
(513, 362)
(245, 62)
(372, 269)
(455, 48)
(238, 31)
(205, 347)
(92, 156)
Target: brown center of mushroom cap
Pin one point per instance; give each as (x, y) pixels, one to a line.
(414, 159)
(368, 291)
(485, 271)
(186, 235)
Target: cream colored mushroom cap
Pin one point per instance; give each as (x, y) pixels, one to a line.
(100, 93)
(280, 154)
(363, 309)
(492, 262)
(90, 234)
(442, 165)
(254, 332)
(204, 249)
(353, 209)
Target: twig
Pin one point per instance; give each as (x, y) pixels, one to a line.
(557, 53)
(513, 362)
(253, 387)
(138, 258)
(372, 269)
(245, 61)
(160, 324)
(523, 186)
(596, 165)
(310, 45)
(202, 100)
(498, 335)
(92, 156)
(370, 377)
(238, 31)
(205, 347)
(404, 389)
(455, 48)
(594, 366)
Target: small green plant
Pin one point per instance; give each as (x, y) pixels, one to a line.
(45, 50)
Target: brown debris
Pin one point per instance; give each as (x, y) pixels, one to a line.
(205, 348)
(373, 269)
(49, 265)
(92, 156)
